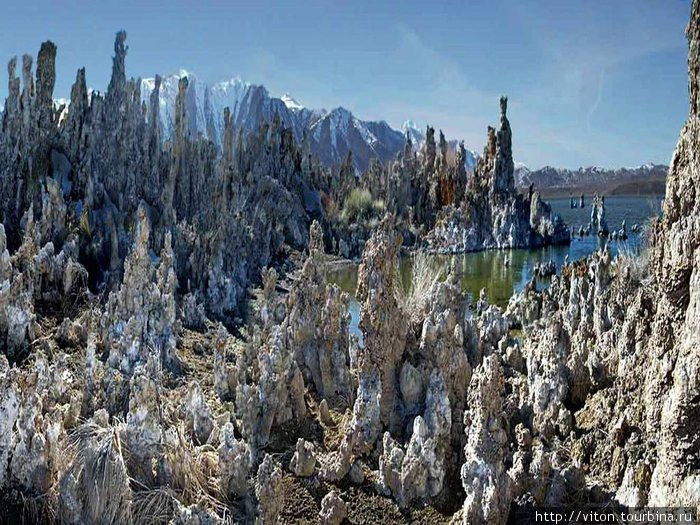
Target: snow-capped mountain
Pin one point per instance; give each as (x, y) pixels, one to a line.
(249, 105)
(338, 131)
(331, 134)
(413, 131)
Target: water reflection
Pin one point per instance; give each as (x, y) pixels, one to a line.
(507, 271)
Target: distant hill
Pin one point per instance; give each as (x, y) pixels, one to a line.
(647, 179)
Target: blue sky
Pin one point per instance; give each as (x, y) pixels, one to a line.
(589, 82)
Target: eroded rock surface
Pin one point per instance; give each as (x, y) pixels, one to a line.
(492, 214)
(122, 400)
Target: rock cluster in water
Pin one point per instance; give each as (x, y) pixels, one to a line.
(121, 401)
(442, 207)
(491, 214)
(612, 352)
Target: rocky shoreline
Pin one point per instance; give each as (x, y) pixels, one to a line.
(173, 352)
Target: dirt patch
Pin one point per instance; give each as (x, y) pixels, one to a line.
(283, 438)
(365, 507)
(301, 501)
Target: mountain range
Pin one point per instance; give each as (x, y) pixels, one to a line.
(646, 179)
(331, 134)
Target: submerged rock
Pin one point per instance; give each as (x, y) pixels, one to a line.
(545, 269)
(598, 222)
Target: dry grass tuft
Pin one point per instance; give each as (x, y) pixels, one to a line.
(97, 468)
(634, 261)
(412, 297)
(40, 509)
(154, 506)
(193, 471)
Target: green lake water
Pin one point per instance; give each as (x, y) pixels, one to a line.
(488, 269)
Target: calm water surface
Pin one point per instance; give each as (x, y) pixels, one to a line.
(488, 269)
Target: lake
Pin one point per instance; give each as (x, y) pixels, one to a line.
(488, 269)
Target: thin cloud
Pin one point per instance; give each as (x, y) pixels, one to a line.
(596, 102)
(446, 98)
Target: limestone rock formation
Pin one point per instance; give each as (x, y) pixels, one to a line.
(142, 313)
(144, 429)
(381, 322)
(304, 460)
(484, 473)
(270, 391)
(234, 463)
(430, 367)
(198, 414)
(502, 181)
(333, 509)
(492, 214)
(122, 402)
(319, 321)
(267, 490)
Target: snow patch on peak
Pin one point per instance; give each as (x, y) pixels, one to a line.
(366, 134)
(409, 125)
(291, 102)
(411, 129)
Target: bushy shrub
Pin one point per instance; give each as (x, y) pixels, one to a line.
(358, 205)
(330, 206)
